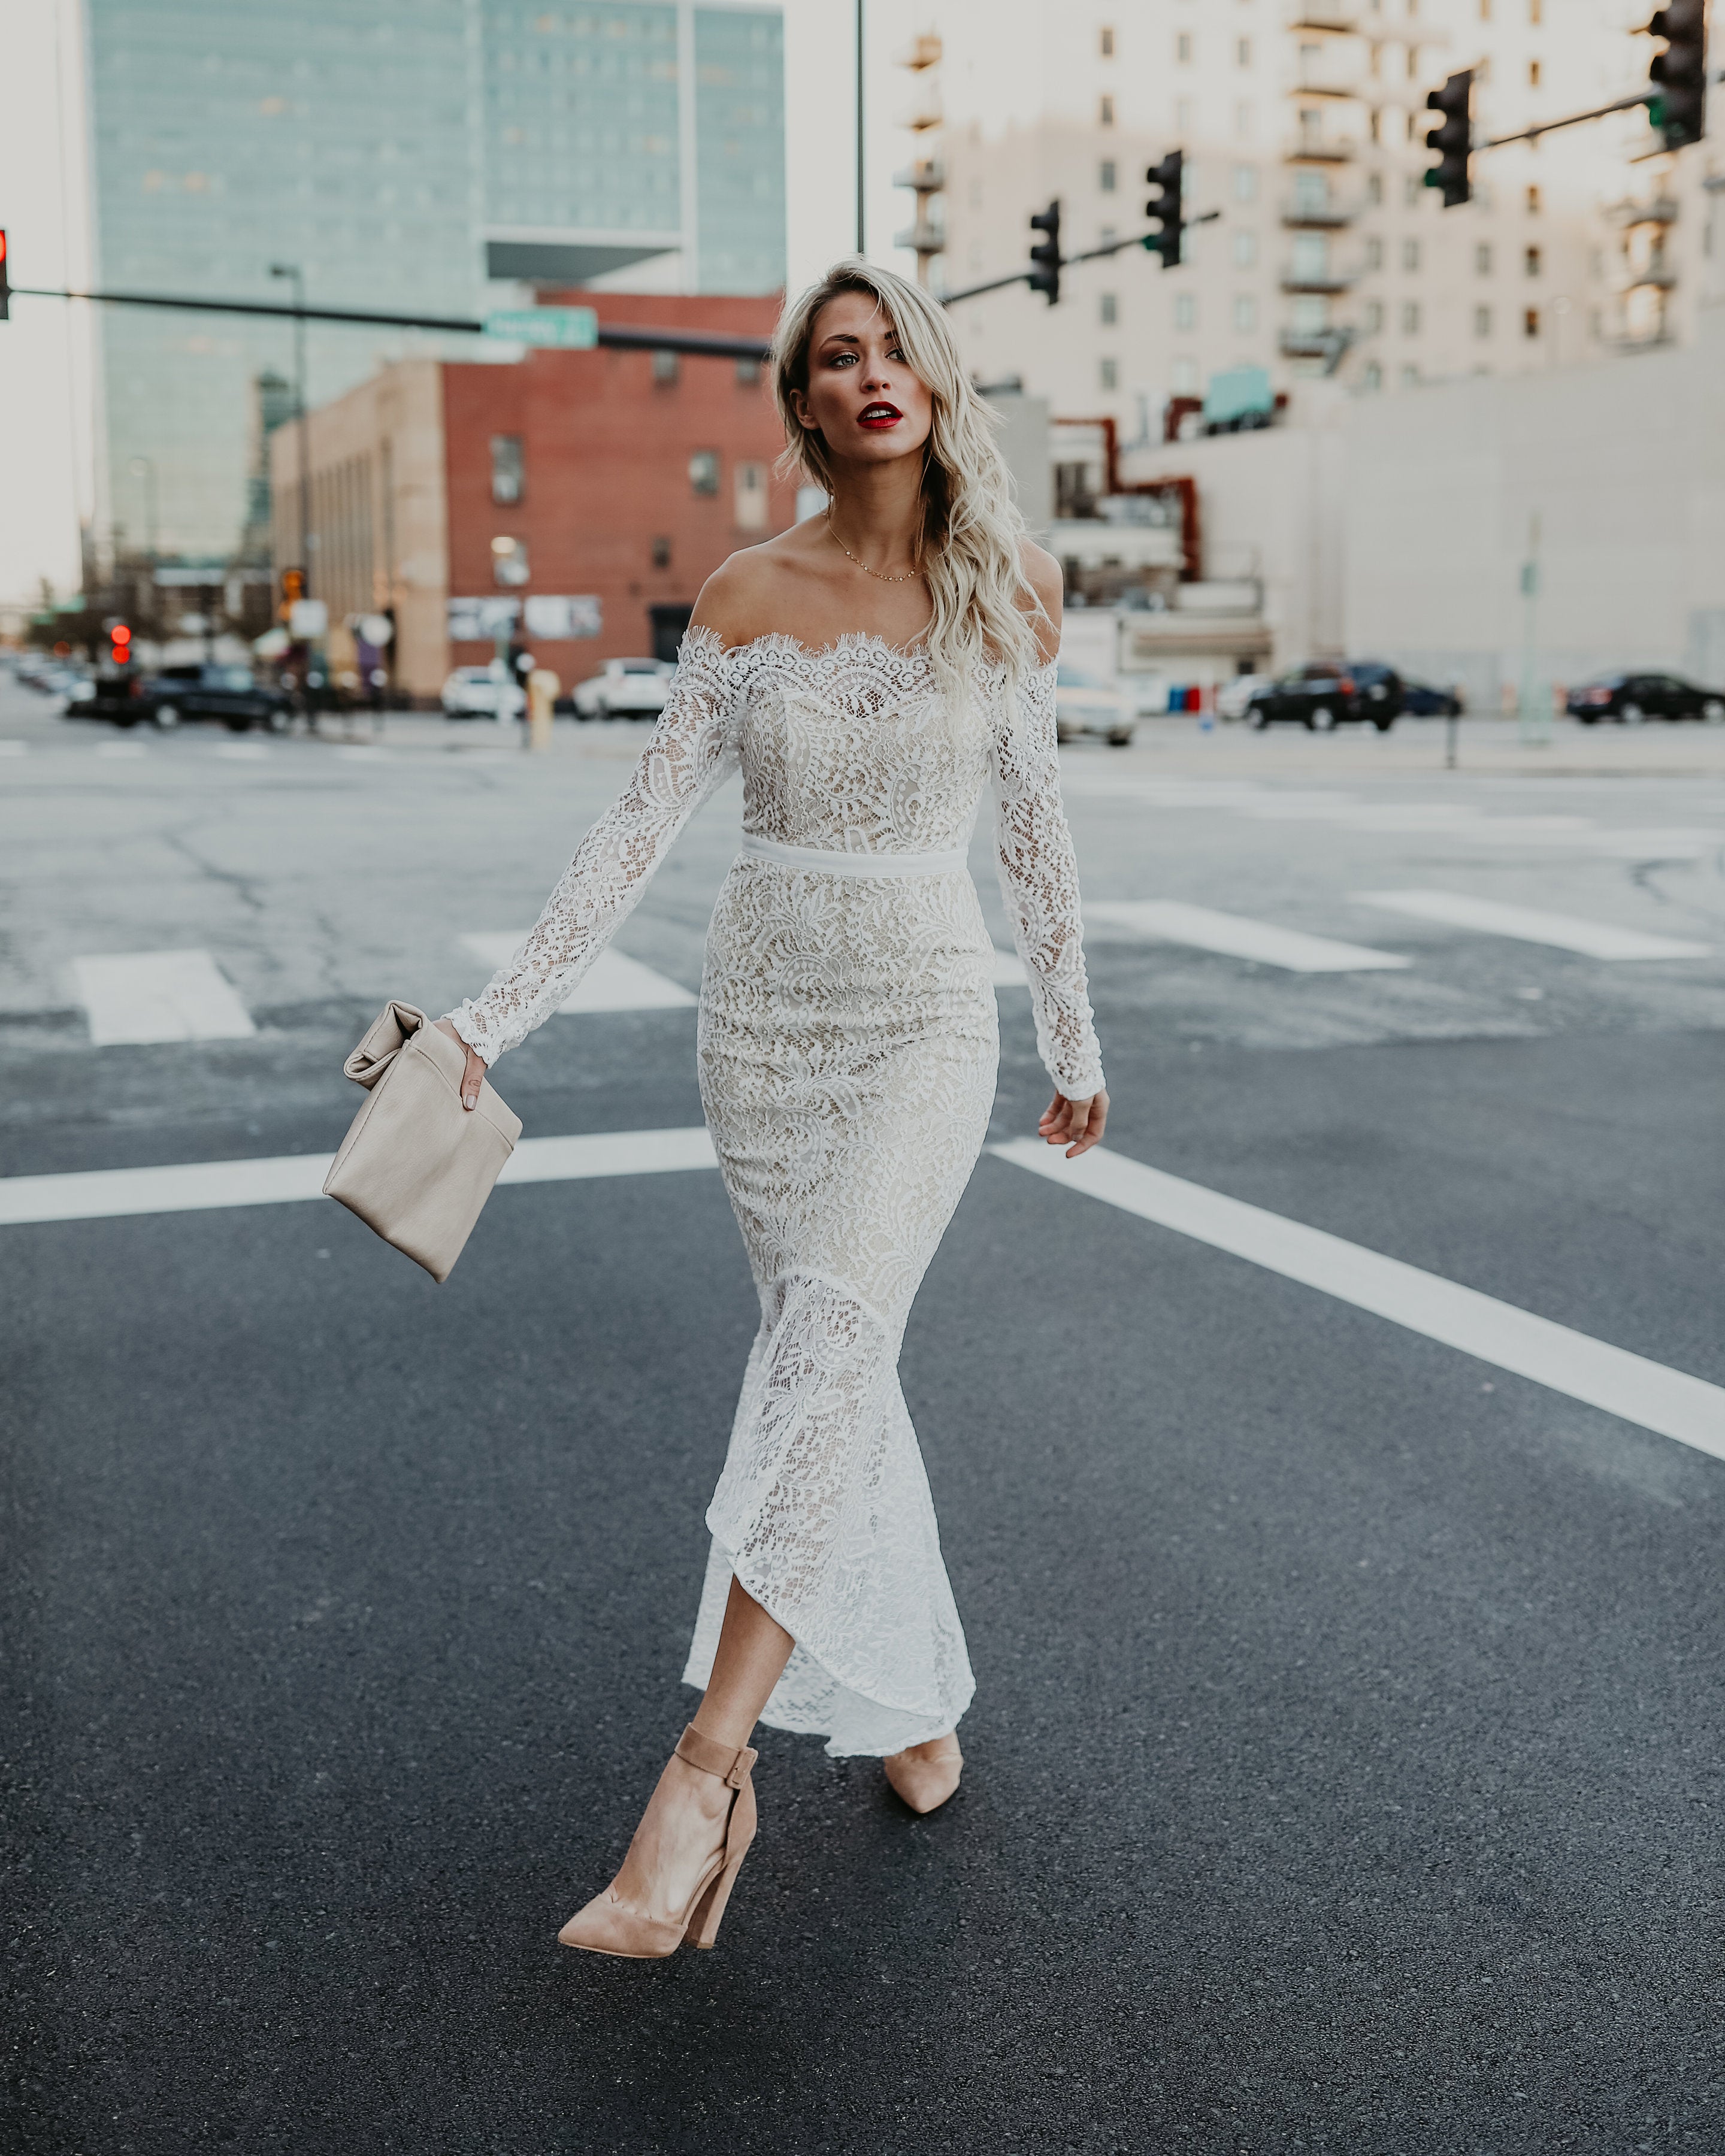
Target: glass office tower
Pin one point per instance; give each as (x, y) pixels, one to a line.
(405, 155)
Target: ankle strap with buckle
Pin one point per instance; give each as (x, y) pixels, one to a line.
(731, 1766)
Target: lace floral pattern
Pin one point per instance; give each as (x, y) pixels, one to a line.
(847, 1052)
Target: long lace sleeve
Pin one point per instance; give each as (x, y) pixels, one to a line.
(1039, 880)
(692, 751)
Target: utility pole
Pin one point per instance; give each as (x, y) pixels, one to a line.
(862, 227)
(1535, 723)
(292, 269)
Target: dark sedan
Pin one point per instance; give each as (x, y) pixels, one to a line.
(1321, 696)
(1420, 700)
(1630, 698)
(229, 694)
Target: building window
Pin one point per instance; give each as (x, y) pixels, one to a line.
(1410, 318)
(509, 561)
(1245, 119)
(1245, 183)
(1532, 202)
(1246, 314)
(1374, 316)
(1536, 13)
(661, 552)
(1411, 255)
(1532, 74)
(1185, 311)
(1410, 377)
(1107, 114)
(1105, 176)
(748, 372)
(1530, 322)
(667, 366)
(1245, 249)
(1185, 377)
(1482, 322)
(1108, 373)
(508, 471)
(1374, 188)
(751, 484)
(1109, 310)
(704, 471)
(1373, 377)
(1482, 257)
(1107, 44)
(1484, 11)
(1374, 254)
(1532, 261)
(1182, 117)
(1413, 187)
(1242, 51)
(1183, 48)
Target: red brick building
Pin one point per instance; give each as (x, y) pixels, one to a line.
(590, 492)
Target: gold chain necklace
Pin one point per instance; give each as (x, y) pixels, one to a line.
(879, 574)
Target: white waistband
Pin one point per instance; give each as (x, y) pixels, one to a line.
(954, 862)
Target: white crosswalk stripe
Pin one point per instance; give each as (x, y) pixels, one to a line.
(139, 996)
(614, 982)
(1648, 1394)
(122, 751)
(1237, 936)
(14, 749)
(242, 753)
(1593, 939)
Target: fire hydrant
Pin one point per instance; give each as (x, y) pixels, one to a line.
(542, 687)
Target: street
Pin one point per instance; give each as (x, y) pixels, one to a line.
(1344, 1772)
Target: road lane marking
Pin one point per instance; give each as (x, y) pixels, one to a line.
(137, 996)
(1238, 937)
(1527, 924)
(361, 752)
(242, 751)
(613, 982)
(127, 751)
(1666, 1401)
(201, 1186)
(14, 749)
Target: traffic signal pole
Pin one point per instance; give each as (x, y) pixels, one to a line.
(1090, 254)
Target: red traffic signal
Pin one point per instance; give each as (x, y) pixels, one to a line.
(5, 281)
(119, 645)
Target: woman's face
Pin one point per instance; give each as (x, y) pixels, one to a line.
(862, 396)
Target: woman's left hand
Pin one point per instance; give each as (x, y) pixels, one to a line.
(1077, 1125)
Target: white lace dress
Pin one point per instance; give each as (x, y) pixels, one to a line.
(847, 1045)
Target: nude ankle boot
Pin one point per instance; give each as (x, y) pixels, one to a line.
(609, 1926)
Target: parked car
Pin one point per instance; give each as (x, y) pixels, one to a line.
(1086, 704)
(624, 689)
(480, 692)
(231, 694)
(1320, 696)
(1234, 698)
(1420, 700)
(1378, 690)
(1630, 698)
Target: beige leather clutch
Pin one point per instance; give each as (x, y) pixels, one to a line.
(415, 1165)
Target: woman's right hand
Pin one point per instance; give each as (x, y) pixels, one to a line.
(474, 1076)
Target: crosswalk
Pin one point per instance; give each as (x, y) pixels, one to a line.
(1526, 924)
(1652, 1395)
(1238, 935)
(133, 997)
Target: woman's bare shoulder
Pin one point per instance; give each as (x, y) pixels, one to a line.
(756, 590)
(1042, 573)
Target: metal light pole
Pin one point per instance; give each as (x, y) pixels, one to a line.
(293, 270)
(862, 228)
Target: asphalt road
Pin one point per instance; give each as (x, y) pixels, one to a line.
(1344, 1773)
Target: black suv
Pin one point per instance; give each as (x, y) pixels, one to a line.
(1323, 696)
(1630, 698)
(230, 694)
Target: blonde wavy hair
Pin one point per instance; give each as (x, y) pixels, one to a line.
(969, 550)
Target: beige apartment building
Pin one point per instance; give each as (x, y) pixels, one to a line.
(1304, 126)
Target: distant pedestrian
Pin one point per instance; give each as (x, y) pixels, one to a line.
(871, 671)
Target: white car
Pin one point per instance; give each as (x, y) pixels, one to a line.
(626, 689)
(1234, 698)
(1086, 704)
(482, 692)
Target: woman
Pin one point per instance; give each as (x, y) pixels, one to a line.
(869, 670)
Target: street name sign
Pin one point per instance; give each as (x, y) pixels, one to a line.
(564, 328)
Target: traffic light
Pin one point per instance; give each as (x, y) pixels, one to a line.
(1045, 256)
(119, 645)
(1452, 138)
(1681, 70)
(1165, 208)
(5, 283)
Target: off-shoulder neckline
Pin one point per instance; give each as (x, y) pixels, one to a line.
(852, 640)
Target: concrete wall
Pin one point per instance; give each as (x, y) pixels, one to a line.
(1623, 465)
